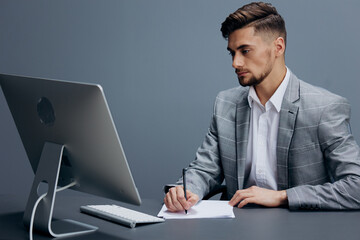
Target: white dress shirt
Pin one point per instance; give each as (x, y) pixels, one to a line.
(261, 163)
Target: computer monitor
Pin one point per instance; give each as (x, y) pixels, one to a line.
(69, 136)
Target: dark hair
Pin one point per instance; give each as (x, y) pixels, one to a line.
(262, 16)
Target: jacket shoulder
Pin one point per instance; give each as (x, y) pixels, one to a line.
(313, 94)
(233, 95)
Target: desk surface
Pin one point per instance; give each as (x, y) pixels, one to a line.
(250, 223)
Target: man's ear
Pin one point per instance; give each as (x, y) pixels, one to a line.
(279, 46)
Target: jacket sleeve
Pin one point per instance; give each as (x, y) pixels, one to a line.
(341, 157)
(205, 172)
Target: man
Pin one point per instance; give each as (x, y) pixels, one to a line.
(277, 141)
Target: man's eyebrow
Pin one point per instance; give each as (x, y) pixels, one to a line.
(239, 47)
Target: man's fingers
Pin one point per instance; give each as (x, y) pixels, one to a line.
(246, 201)
(239, 196)
(181, 197)
(174, 198)
(168, 202)
(260, 196)
(192, 199)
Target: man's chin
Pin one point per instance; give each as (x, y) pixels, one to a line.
(249, 82)
(243, 82)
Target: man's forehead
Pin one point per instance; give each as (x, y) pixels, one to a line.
(244, 36)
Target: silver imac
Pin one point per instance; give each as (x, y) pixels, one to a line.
(70, 139)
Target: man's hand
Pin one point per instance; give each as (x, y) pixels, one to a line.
(260, 196)
(175, 200)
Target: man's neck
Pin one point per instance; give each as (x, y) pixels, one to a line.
(268, 87)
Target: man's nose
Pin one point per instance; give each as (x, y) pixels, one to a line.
(238, 61)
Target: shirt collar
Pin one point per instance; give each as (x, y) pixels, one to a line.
(276, 99)
(252, 97)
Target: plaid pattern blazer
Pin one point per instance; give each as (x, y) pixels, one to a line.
(318, 160)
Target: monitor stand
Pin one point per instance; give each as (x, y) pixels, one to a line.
(48, 171)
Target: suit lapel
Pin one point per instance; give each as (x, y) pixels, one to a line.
(242, 134)
(288, 115)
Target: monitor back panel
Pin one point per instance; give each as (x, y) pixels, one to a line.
(77, 116)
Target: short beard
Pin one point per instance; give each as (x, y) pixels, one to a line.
(253, 81)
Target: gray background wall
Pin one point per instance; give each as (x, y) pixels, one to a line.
(161, 64)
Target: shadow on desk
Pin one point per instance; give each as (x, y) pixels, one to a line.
(11, 227)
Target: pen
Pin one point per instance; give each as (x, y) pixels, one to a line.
(184, 184)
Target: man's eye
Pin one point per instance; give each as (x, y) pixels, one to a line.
(245, 51)
(231, 54)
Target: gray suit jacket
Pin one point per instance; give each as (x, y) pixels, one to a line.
(318, 160)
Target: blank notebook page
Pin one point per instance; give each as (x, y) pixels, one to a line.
(204, 209)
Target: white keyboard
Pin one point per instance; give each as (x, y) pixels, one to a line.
(120, 215)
